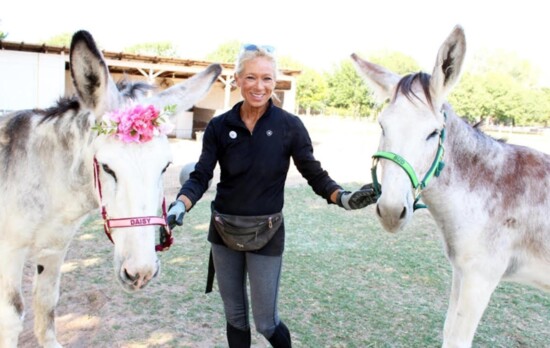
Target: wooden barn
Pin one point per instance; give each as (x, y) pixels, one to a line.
(36, 75)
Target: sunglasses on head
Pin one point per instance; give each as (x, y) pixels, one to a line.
(253, 47)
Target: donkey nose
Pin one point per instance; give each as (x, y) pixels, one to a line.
(138, 278)
(401, 216)
(403, 213)
(393, 218)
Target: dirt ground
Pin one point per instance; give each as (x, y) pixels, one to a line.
(343, 146)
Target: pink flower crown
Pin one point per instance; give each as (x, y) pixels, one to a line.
(136, 123)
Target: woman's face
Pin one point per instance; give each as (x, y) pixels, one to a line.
(256, 81)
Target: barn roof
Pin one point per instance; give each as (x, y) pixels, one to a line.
(136, 64)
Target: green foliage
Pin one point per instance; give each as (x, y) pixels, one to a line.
(470, 98)
(287, 62)
(311, 91)
(225, 53)
(397, 62)
(501, 99)
(346, 90)
(505, 63)
(3, 34)
(160, 49)
(61, 40)
(349, 95)
(499, 86)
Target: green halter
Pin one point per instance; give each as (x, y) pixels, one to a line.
(418, 186)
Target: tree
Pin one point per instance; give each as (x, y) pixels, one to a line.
(397, 62)
(311, 91)
(506, 63)
(535, 107)
(503, 88)
(470, 98)
(226, 52)
(287, 62)
(347, 91)
(160, 49)
(3, 34)
(61, 40)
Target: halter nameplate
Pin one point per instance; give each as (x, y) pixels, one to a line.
(133, 222)
(166, 239)
(418, 186)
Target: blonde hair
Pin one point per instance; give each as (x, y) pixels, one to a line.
(255, 52)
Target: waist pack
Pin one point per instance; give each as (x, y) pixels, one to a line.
(246, 233)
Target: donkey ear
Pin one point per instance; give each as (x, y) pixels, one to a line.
(381, 80)
(90, 75)
(184, 95)
(448, 65)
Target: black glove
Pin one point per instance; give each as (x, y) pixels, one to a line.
(176, 211)
(357, 199)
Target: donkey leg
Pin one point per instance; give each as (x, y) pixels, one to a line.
(475, 288)
(453, 301)
(11, 298)
(45, 297)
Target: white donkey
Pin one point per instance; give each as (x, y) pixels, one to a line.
(104, 148)
(491, 200)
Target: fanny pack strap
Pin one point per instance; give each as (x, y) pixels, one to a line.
(211, 272)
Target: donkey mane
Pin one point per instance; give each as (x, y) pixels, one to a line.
(62, 107)
(405, 86)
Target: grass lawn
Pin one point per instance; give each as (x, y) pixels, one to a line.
(345, 283)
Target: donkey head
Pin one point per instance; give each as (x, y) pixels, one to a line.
(132, 152)
(412, 126)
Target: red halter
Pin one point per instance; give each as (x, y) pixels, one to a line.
(166, 238)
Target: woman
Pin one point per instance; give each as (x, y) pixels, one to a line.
(253, 144)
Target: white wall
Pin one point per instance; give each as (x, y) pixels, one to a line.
(30, 80)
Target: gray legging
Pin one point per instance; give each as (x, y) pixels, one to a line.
(264, 273)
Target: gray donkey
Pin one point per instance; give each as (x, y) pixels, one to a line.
(490, 200)
(103, 148)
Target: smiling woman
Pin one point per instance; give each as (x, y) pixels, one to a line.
(253, 144)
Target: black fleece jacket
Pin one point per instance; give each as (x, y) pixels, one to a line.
(254, 166)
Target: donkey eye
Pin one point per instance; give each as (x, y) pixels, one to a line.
(433, 134)
(109, 171)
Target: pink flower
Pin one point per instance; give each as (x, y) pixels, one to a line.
(137, 123)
